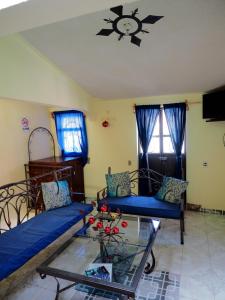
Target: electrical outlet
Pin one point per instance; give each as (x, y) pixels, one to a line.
(129, 163)
(205, 164)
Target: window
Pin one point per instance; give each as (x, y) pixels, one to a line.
(161, 140)
(71, 133)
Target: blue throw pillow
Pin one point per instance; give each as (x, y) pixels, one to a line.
(55, 194)
(171, 189)
(118, 185)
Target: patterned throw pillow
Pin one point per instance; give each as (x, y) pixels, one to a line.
(171, 189)
(118, 185)
(55, 194)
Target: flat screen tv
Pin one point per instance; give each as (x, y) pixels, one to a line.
(214, 106)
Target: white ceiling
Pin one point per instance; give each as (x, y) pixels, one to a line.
(184, 51)
(35, 13)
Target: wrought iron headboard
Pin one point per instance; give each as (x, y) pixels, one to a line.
(19, 200)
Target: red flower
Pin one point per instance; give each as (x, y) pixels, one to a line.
(103, 208)
(115, 230)
(99, 225)
(91, 220)
(124, 224)
(107, 230)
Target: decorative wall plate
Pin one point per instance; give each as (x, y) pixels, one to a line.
(128, 25)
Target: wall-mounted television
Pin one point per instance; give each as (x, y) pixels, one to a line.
(214, 106)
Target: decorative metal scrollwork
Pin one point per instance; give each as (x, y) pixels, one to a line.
(19, 200)
(36, 131)
(154, 177)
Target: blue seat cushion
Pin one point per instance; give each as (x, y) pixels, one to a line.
(143, 205)
(21, 243)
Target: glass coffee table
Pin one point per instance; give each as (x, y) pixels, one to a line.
(81, 261)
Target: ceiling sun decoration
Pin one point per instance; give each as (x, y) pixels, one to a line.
(128, 25)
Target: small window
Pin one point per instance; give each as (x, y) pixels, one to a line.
(71, 133)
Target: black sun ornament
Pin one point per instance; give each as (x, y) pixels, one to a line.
(128, 25)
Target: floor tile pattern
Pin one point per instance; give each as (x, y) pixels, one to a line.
(159, 285)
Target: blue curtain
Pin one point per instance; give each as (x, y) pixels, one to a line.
(72, 134)
(146, 116)
(176, 119)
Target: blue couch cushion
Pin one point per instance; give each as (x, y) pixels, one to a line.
(171, 189)
(143, 205)
(21, 243)
(118, 184)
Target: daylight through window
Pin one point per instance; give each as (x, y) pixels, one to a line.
(161, 140)
(71, 135)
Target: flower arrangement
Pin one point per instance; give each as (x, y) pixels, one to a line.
(107, 224)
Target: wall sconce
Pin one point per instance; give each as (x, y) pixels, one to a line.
(105, 123)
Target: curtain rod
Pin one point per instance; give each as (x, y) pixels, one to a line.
(186, 102)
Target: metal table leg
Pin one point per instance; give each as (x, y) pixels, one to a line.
(150, 267)
(58, 290)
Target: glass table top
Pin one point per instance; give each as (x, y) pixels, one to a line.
(113, 262)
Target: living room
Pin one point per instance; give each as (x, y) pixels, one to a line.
(33, 85)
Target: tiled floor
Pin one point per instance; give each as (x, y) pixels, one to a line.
(200, 262)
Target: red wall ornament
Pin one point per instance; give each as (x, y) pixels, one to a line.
(105, 124)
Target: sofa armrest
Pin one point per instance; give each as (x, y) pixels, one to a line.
(101, 194)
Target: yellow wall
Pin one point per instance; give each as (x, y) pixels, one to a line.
(13, 145)
(28, 76)
(205, 143)
(115, 145)
(25, 74)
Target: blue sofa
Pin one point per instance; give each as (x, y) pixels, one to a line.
(26, 240)
(148, 206)
(26, 229)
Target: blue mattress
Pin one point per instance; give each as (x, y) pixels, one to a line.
(21, 243)
(143, 205)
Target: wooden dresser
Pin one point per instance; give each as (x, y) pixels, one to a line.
(45, 165)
